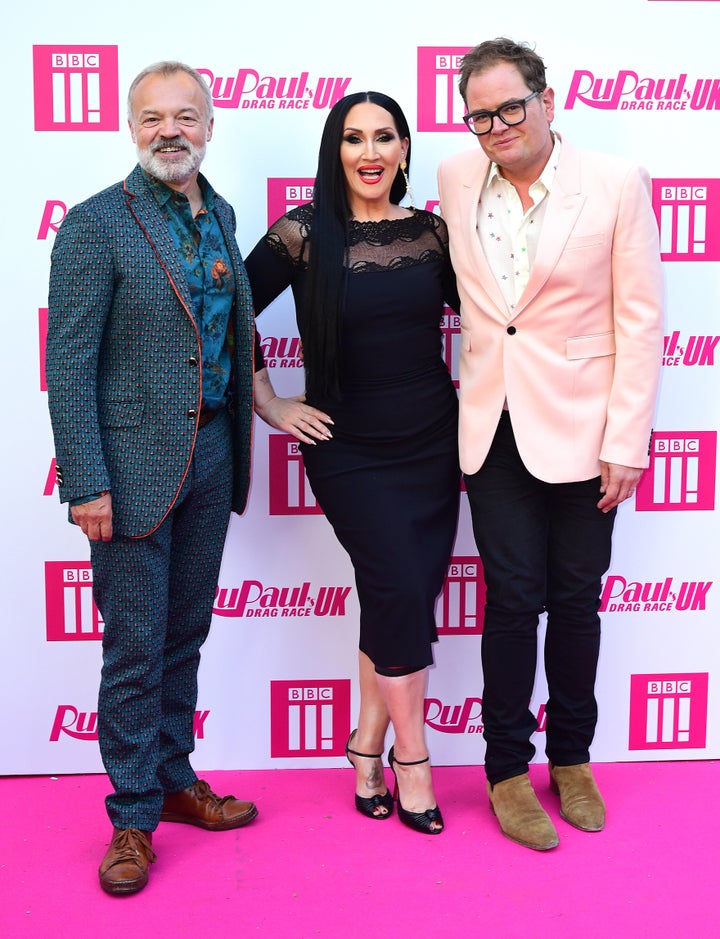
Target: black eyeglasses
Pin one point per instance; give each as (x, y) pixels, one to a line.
(481, 122)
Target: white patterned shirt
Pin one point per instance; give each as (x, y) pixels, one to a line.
(509, 236)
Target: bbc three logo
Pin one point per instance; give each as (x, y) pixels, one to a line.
(668, 711)
(440, 107)
(76, 88)
(682, 472)
(688, 214)
(461, 604)
(309, 718)
(71, 614)
(286, 193)
(289, 490)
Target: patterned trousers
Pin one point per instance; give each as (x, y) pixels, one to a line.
(156, 596)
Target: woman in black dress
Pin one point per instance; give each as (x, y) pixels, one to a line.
(369, 278)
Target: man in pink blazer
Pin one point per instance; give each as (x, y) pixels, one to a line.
(558, 266)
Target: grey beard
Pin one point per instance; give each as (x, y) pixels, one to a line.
(179, 170)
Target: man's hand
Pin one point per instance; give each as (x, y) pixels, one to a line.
(617, 483)
(95, 518)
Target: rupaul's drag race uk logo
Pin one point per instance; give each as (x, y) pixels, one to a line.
(82, 725)
(250, 89)
(253, 598)
(52, 217)
(282, 352)
(669, 595)
(689, 350)
(464, 718)
(628, 90)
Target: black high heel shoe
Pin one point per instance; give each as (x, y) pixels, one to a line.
(368, 805)
(419, 821)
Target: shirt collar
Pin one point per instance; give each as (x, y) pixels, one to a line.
(163, 193)
(546, 177)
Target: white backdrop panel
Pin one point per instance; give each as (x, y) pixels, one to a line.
(280, 690)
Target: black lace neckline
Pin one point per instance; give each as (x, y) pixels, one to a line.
(386, 230)
(382, 221)
(386, 244)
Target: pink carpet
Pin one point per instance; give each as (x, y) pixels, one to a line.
(311, 866)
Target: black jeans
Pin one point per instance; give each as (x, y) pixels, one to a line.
(544, 547)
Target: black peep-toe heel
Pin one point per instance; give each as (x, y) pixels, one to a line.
(368, 805)
(418, 821)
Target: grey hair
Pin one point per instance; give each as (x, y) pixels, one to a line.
(166, 70)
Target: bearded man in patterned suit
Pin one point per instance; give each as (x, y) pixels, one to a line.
(150, 377)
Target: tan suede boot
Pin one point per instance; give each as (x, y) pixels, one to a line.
(580, 801)
(522, 818)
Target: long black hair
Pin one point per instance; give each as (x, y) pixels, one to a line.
(327, 273)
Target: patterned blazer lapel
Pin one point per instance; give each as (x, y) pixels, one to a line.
(148, 214)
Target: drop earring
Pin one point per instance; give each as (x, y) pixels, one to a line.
(403, 169)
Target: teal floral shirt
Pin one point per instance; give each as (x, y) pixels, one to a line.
(209, 272)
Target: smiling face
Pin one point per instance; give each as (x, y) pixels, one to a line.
(170, 127)
(371, 151)
(523, 149)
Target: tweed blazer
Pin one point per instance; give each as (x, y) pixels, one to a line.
(124, 357)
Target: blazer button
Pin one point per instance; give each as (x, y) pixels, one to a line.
(192, 361)
(511, 330)
(192, 414)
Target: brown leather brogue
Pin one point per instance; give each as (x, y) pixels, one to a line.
(580, 801)
(198, 805)
(522, 818)
(124, 869)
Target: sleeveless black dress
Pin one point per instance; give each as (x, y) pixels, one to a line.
(388, 482)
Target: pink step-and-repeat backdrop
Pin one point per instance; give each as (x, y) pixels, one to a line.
(640, 78)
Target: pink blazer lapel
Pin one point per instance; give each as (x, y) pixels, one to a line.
(471, 189)
(564, 205)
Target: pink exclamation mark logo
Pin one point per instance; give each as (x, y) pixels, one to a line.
(688, 214)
